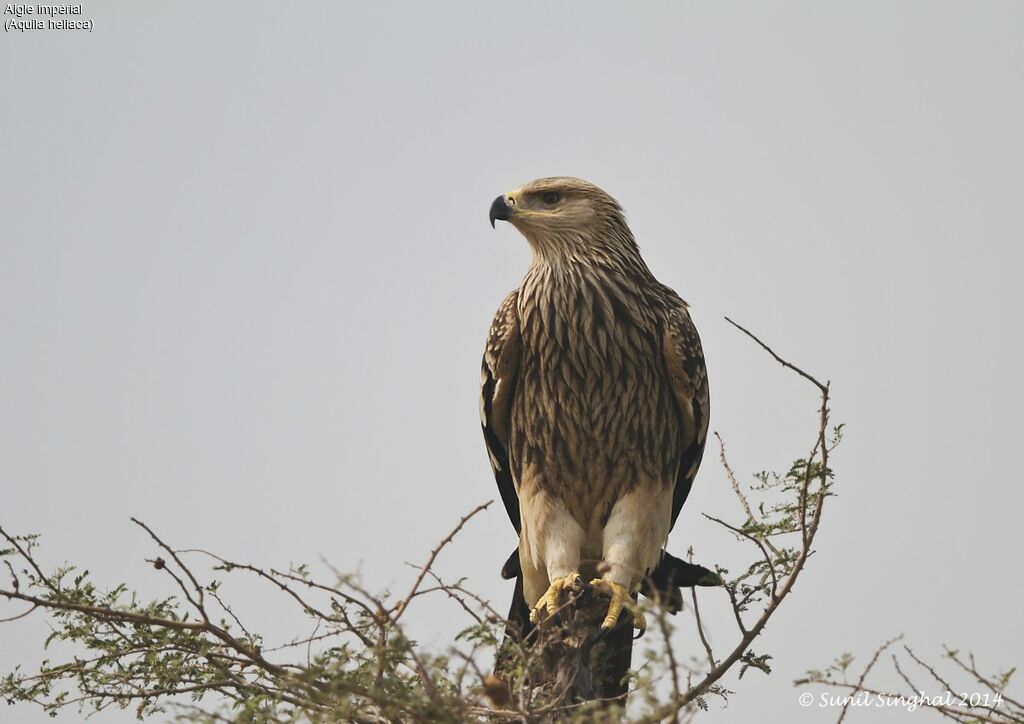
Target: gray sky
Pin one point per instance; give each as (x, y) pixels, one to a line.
(246, 273)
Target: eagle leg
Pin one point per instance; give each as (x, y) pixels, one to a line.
(621, 599)
(550, 601)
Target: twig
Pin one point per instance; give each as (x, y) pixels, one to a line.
(400, 607)
(864, 674)
(700, 628)
(755, 541)
(822, 387)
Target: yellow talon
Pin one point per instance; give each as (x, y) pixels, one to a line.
(621, 599)
(550, 601)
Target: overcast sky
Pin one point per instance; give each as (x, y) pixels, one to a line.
(246, 274)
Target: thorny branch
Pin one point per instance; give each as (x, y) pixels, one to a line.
(155, 651)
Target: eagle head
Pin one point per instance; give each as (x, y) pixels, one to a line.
(562, 216)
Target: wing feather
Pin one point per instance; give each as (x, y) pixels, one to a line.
(498, 375)
(684, 362)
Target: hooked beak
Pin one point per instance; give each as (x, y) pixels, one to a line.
(500, 210)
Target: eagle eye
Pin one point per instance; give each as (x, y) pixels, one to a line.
(551, 197)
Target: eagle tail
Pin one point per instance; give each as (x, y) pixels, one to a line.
(519, 624)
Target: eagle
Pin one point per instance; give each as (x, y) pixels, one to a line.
(594, 405)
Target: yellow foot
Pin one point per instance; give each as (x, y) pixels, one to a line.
(621, 599)
(549, 602)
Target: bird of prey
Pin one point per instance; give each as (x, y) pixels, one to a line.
(594, 404)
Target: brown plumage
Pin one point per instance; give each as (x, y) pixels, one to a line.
(594, 398)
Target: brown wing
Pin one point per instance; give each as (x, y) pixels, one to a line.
(497, 386)
(684, 361)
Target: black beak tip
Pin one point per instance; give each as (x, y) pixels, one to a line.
(499, 210)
